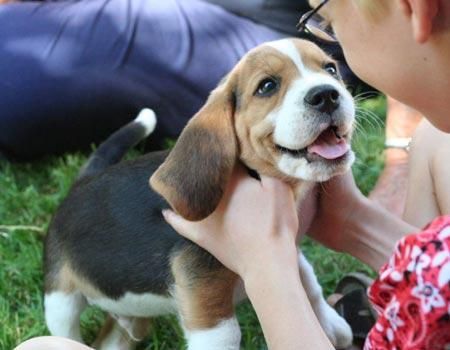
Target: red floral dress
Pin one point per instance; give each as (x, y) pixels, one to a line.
(412, 293)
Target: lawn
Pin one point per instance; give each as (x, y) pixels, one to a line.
(30, 193)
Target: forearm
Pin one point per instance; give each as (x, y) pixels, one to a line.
(372, 232)
(283, 309)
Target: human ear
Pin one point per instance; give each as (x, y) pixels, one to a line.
(422, 14)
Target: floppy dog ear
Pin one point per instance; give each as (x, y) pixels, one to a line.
(194, 175)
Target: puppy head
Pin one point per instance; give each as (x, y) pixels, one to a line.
(296, 113)
(283, 111)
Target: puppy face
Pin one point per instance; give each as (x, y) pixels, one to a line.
(293, 116)
(282, 111)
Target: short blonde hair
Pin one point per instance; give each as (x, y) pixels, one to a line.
(373, 8)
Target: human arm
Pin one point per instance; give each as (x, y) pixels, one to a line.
(284, 311)
(253, 232)
(344, 220)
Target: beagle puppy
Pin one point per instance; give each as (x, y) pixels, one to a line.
(284, 112)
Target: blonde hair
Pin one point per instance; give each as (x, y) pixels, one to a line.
(373, 8)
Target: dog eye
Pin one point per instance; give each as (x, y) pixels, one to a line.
(267, 87)
(331, 69)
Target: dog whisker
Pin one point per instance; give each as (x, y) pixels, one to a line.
(366, 94)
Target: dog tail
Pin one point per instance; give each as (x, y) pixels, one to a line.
(114, 148)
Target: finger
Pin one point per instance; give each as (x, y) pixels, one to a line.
(240, 182)
(241, 174)
(276, 185)
(184, 227)
(269, 181)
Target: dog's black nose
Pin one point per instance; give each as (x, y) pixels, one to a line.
(324, 98)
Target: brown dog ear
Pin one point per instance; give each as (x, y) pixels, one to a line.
(194, 175)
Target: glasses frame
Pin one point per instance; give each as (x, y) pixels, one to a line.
(302, 25)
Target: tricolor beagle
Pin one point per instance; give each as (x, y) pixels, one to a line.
(282, 111)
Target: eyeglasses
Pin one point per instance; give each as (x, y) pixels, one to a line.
(313, 25)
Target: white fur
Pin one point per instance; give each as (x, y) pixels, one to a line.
(301, 169)
(335, 327)
(62, 314)
(293, 122)
(294, 126)
(287, 47)
(122, 335)
(116, 339)
(225, 336)
(292, 129)
(137, 305)
(128, 324)
(147, 118)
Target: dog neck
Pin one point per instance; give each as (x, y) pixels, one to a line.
(301, 188)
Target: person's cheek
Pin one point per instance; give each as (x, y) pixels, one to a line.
(356, 55)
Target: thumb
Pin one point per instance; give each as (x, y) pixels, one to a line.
(186, 228)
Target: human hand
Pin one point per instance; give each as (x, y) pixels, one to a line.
(326, 215)
(255, 221)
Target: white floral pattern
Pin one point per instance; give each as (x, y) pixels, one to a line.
(391, 314)
(444, 275)
(429, 296)
(419, 261)
(412, 293)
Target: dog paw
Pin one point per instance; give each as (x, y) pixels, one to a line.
(336, 328)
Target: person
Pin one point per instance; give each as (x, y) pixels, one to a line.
(401, 123)
(75, 71)
(79, 101)
(402, 48)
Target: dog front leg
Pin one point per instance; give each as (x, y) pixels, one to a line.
(336, 328)
(225, 335)
(204, 296)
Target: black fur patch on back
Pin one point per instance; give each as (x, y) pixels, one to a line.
(110, 228)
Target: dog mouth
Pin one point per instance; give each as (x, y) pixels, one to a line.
(329, 145)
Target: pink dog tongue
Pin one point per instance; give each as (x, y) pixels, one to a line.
(329, 146)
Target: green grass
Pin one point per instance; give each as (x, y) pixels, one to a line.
(30, 193)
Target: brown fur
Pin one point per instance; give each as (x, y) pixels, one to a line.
(208, 143)
(106, 329)
(136, 331)
(253, 130)
(233, 126)
(67, 280)
(311, 57)
(204, 293)
(194, 175)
